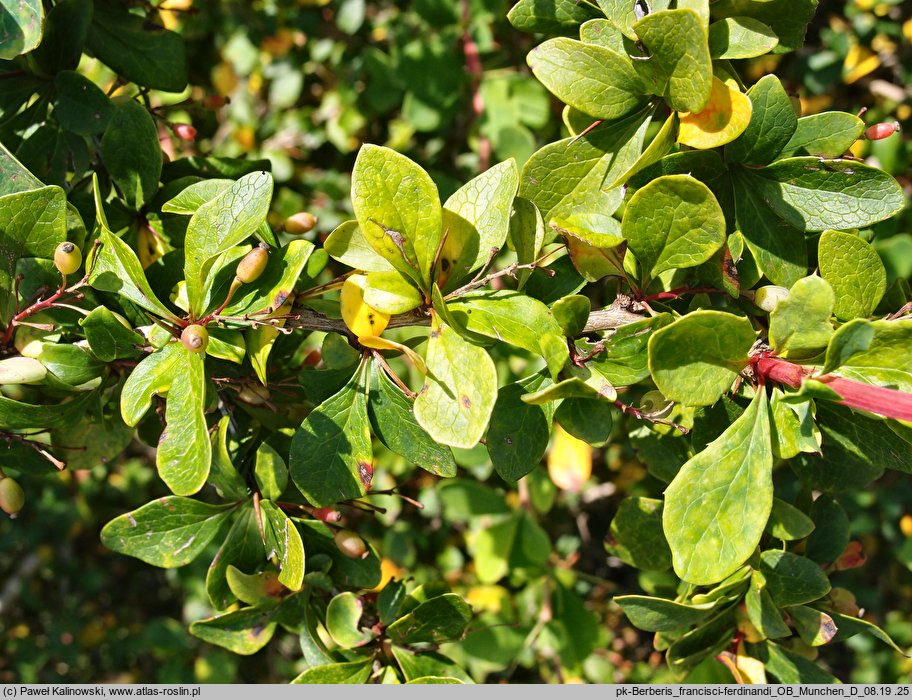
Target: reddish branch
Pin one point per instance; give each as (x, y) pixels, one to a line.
(474, 69)
(38, 306)
(889, 403)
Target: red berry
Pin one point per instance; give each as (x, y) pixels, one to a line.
(876, 132)
(185, 132)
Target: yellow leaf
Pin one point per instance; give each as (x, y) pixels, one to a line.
(858, 63)
(569, 461)
(726, 116)
(361, 319)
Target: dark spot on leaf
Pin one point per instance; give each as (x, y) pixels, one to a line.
(435, 334)
(365, 473)
(256, 630)
(279, 299)
(444, 264)
(466, 403)
(508, 440)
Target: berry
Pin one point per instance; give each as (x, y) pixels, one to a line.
(768, 297)
(12, 497)
(253, 264)
(300, 223)
(876, 132)
(185, 132)
(67, 258)
(195, 338)
(350, 544)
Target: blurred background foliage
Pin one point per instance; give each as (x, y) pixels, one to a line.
(304, 84)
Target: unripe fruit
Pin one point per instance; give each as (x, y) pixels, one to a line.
(195, 338)
(768, 297)
(876, 132)
(67, 258)
(361, 319)
(327, 515)
(12, 497)
(300, 223)
(350, 544)
(253, 264)
(185, 132)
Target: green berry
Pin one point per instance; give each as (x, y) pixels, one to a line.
(253, 264)
(350, 544)
(67, 258)
(300, 223)
(12, 497)
(195, 338)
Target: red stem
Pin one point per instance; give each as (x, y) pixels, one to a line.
(675, 293)
(34, 309)
(889, 403)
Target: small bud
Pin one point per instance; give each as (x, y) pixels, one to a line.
(350, 544)
(876, 132)
(185, 132)
(300, 223)
(67, 258)
(768, 297)
(12, 497)
(327, 515)
(195, 338)
(253, 264)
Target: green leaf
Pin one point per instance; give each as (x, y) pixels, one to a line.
(71, 364)
(330, 458)
(740, 37)
(222, 473)
(398, 210)
(137, 49)
(625, 359)
(131, 152)
(348, 245)
(348, 672)
(258, 590)
(518, 432)
(242, 548)
(789, 667)
(828, 134)
(477, 220)
(344, 571)
(572, 314)
(65, 29)
(777, 246)
(108, 337)
(593, 79)
(420, 667)
(678, 40)
(32, 224)
(673, 222)
(762, 611)
(184, 450)
(703, 642)
(270, 472)
(589, 420)
(658, 148)
(792, 579)
(195, 195)
(884, 359)
(773, 122)
(787, 18)
(831, 531)
(661, 615)
(115, 268)
(800, 324)
(342, 617)
(219, 225)
(812, 194)
(527, 234)
(391, 293)
(80, 105)
(440, 619)
(22, 416)
(788, 523)
(793, 427)
(283, 545)
(20, 26)
(718, 504)
(226, 344)
(567, 177)
(850, 626)
(394, 423)
(15, 177)
(460, 389)
(168, 532)
(550, 16)
(637, 537)
(507, 316)
(855, 272)
(151, 377)
(243, 632)
(698, 357)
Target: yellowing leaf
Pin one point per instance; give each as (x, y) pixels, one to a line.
(858, 63)
(725, 117)
(361, 319)
(569, 462)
